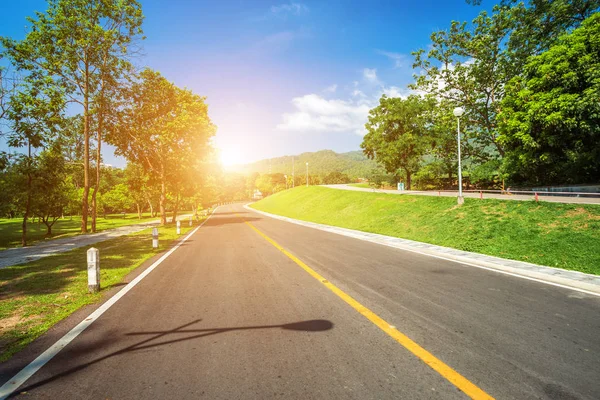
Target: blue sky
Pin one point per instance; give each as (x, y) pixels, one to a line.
(281, 77)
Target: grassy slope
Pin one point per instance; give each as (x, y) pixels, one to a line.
(559, 235)
(10, 229)
(36, 295)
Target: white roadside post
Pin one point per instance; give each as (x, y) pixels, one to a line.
(191, 220)
(179, 227)
(155, 238)
(93, 267)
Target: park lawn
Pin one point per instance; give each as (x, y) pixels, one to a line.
(558, 235)
(10, 228)
(36, 295)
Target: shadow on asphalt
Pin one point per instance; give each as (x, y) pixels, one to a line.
(314, 325)
(218, 221)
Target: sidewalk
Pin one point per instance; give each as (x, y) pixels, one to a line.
(542, 196)
(21, 255)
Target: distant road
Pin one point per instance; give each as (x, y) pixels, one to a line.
(252, 307)
(542, 196)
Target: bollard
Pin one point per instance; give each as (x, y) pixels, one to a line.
(93, 267)
(191, 220)
(536, 197)
(179, 227)
(155, 238)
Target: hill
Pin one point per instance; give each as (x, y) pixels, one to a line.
(354, 163)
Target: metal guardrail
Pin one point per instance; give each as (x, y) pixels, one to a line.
(529, 193)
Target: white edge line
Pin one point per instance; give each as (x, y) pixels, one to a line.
(20, 378)
(314, 225)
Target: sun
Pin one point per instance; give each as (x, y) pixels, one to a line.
(229, 157)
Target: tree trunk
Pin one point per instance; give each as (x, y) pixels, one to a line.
(175, 209)
(28, 203)
(86, 152)
(151, 208)
(408, 179)
(48, 227)
(98, 164)
(139, 208)
(163, 196)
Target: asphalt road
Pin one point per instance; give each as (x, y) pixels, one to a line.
(230, 316)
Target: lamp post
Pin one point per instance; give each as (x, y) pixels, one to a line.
(286, 182)
(306, 174)
(458, 112)
(293, 173)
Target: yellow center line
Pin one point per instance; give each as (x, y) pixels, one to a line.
(437, 365)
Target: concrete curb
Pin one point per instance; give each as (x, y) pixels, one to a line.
(578, 281)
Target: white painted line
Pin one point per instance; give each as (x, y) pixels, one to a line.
(364, 237)
(16, 381)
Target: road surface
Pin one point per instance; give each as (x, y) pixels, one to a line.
(256, 308)
(591, 198)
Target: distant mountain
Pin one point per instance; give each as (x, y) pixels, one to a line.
(354, 163)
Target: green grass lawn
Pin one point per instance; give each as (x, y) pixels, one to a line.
(10, 229)
(37, 295)
(558, 235)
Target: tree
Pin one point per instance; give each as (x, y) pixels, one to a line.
(34, 116)
(163, 128)
(551, 114)
(397, 135)
(50, 190)
(335, 177)
(74, 44)
(118, 199)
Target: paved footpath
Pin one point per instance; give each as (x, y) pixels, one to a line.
(251, 307)
(521, 197)
(21, 255)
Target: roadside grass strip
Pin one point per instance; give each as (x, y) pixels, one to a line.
(37, 295)
(11, 228)
(557, 235)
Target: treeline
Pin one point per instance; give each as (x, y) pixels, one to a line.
(527, 75)
(72, 86)
(354, 164)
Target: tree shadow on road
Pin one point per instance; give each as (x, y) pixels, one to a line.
(316, 325)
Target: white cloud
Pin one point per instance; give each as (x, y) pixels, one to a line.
(330, 89)
(400, 60)
(314, 113)
(370, 75)
(283, 10)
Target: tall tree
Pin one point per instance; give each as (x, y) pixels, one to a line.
(551, 113)
(74, 43)
(34, 116)
(163, 128)
(397, 136)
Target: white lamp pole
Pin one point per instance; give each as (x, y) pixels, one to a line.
(293, 174)
(306, 174)
(458, 112)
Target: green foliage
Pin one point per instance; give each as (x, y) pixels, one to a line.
(551, 113)
(118, 199)
(398, 135)
(558, 235)
(335, 178)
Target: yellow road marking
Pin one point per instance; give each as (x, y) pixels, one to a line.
(437, 365)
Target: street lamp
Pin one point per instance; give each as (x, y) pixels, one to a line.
(458, 112)
(306, 174)
(286, 182)
(293, 174)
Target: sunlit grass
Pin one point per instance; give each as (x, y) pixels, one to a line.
(559, 235)
(10, 229)
(35, 296)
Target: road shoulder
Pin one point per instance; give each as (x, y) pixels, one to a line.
(574, 280)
